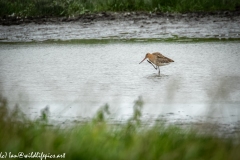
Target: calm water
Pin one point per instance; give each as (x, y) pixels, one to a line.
(74, 80)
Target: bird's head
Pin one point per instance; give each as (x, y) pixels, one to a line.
(147, 55)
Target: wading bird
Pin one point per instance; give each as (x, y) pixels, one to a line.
(158, 59)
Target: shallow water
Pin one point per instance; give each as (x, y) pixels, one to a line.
(74, 80)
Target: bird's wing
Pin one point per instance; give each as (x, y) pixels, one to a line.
(161, 58)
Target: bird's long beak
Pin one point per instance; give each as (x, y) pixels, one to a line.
(143, 60)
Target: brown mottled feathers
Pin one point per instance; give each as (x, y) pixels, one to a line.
(161, 58)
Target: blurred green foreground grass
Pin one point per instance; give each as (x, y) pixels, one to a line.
(97, 139)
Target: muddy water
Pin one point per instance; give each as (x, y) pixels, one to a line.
(126, 26)
(74, 80)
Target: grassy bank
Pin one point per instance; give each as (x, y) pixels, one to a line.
(76, 7)
(97, 139)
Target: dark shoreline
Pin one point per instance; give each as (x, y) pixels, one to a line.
(109, 16)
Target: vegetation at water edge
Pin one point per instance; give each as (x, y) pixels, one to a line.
(98, 139)
(76, 7)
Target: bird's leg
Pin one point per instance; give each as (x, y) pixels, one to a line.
(152, 64)
(158, 70)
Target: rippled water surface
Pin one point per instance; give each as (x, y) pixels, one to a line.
(74, 80)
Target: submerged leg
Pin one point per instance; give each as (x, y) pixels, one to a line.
(152, 64)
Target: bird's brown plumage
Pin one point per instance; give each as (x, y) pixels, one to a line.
(158, 59)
